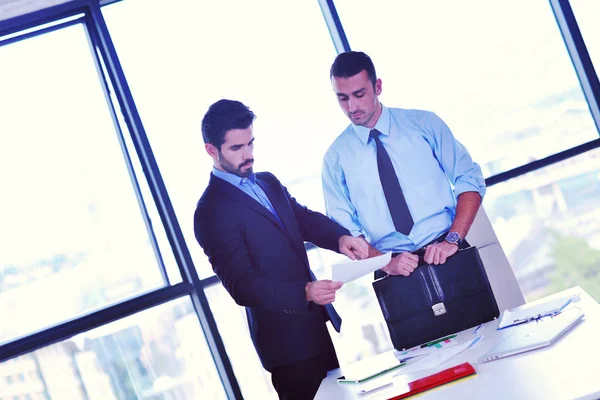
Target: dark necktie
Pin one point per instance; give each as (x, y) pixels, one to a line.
(403, 221)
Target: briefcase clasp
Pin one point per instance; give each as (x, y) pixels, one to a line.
(438, 309)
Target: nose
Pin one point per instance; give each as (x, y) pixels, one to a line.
(248, 153)
(352, 106)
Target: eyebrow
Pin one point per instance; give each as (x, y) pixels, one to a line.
(233, 146)
(356, 92)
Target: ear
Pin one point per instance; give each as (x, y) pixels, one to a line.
(211, 150)
(378, 87)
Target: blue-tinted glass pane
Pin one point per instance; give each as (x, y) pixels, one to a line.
(72, 235)
(157, 354)
(262, 53)
(498, 73)
(548, 222)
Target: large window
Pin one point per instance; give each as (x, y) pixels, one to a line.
(157, 354)
(499, 74)
(260, 53)
(501, 77)
(73, 234)
(548, 222)
(78, 229)
(232, 323)
(274, 56)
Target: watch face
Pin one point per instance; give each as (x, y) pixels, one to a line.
(452, 237)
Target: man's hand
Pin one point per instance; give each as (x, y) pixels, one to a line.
(402, 264)
(322, 292)
(438, 253)
(354, 248)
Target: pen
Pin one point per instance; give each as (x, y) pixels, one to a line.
(437, 341)
(478, 328)
(566, 304)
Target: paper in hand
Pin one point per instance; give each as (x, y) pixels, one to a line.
(348, 271)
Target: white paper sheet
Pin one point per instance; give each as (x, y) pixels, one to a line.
(349, 271)
(371, 366)
(437, 357)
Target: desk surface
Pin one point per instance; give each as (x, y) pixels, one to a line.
(568, 369)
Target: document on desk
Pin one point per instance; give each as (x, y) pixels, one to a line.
(525, 314)
(437, 357)
(423, 351)
(351, 270)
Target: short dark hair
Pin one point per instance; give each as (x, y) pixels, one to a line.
(351, 63)
(223, 116)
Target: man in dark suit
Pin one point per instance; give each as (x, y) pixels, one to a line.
(253, 232)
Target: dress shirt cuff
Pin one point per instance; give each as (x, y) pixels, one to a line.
(467, 186)
(357, 233)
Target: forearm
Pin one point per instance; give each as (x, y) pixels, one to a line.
(467, 205)
(262, 293)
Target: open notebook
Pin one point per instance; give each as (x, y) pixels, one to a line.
(535, 335)
(530, 313)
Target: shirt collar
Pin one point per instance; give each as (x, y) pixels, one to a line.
(382, 125)
(233, 178)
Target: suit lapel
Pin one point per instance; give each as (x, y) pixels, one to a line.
(285, 213)
(280, 206)
(242, 198)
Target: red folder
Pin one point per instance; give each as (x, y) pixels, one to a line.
(441, 378)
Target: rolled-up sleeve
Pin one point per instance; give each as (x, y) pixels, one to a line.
(337, 200)
(464, 174)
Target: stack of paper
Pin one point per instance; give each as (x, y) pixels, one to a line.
(421, 351)
(371, 367)
(437, 357)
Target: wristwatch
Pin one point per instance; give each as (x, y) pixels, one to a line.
(453, 238)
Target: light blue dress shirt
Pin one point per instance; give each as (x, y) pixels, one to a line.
(432, 166)
(249, 186)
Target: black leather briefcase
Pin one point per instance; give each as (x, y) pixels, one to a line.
(436, 300)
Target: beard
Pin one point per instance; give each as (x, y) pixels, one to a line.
(236, 170)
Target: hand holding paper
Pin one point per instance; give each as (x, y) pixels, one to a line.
(321, 292)
(348, 271)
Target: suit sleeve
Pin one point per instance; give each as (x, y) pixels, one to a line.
(223, 243)
(314, 226)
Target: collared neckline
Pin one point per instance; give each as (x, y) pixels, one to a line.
(233, 178)
(382, 125)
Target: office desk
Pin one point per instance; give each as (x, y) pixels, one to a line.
(568, 369)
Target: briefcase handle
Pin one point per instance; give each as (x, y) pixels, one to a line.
(421, 254)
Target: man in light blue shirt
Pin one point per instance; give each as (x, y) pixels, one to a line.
(440, 186)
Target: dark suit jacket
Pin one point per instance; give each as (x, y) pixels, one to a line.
(264, 266)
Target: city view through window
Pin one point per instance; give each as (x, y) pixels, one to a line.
(75, 239)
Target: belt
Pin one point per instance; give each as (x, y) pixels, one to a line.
(421, 251)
